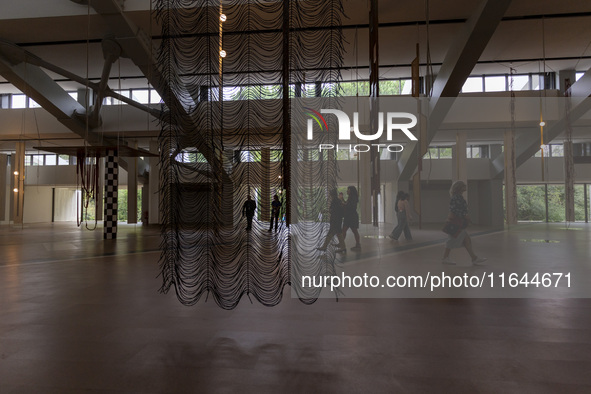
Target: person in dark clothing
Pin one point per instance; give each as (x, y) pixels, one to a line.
(275, 210)
(248, 210)
(351, 217)
(458, 211)
(403, 215)
(336, 222)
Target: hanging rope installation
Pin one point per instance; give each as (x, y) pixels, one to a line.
(219, 145)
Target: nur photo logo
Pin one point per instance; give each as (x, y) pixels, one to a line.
(394, 122)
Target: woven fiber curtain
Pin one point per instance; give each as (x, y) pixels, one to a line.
(227, 133)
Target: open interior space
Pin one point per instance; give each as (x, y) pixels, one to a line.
(298, 196)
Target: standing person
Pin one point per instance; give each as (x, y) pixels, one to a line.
(403, 215)
(336, 222)
(351, 217)
(275, 209)
(458, 213)
(248, 210)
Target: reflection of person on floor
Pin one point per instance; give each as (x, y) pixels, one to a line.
(248, 210)
(458, 211)
(275, 209)
(403, 215)
(351, 217)
(336, 221)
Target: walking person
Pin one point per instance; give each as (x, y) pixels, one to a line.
(275, 210)
(248, 210)
(403, 215)
(351, 217)
(336, 222)
(458, 218)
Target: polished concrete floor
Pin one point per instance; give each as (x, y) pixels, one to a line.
(83, 315)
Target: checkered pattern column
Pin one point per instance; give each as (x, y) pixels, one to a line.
(111, 185)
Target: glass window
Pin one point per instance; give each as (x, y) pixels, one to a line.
(250, 156)
(19, 101)
(520, 82)
(531, 203)
(557, 150)
(37, 160)
(537, 81)
(142, 96)
(63, 160)
(155, 97)
(28, 160)
(385, 155)
(124, 93)
(556, 204)
(4, 100)
(472, 84)
(390, 88)
(343, 154)
(351, 89)
(546, 149)
(274, 91)
(276, 155)
(231, 93)
(495, 84)
(405, 85)
(33, 104)
(50, 160)
(445, 153)
(580, 202)
(476, 152)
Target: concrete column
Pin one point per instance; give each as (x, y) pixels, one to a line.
(132, 187)
(265, 201)
(99, 200)
(81, 97)
(3, 183)
(365, 195)
(569, 181)
(565, 79)
(228, 191)
(460, 170)
(460, 161)
(153, 193)
(111, 194)
(19, 183)
(510, 178)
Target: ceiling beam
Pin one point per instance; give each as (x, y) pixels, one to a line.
(458, 64)
(19, 68)
(36, 84)
(528, 143)
(137, 46)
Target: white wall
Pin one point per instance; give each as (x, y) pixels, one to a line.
(6, 189)
(37, 207)
(65, 204)
(61, 176)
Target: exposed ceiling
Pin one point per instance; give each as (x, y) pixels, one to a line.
(533, 36)
(68, 34)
